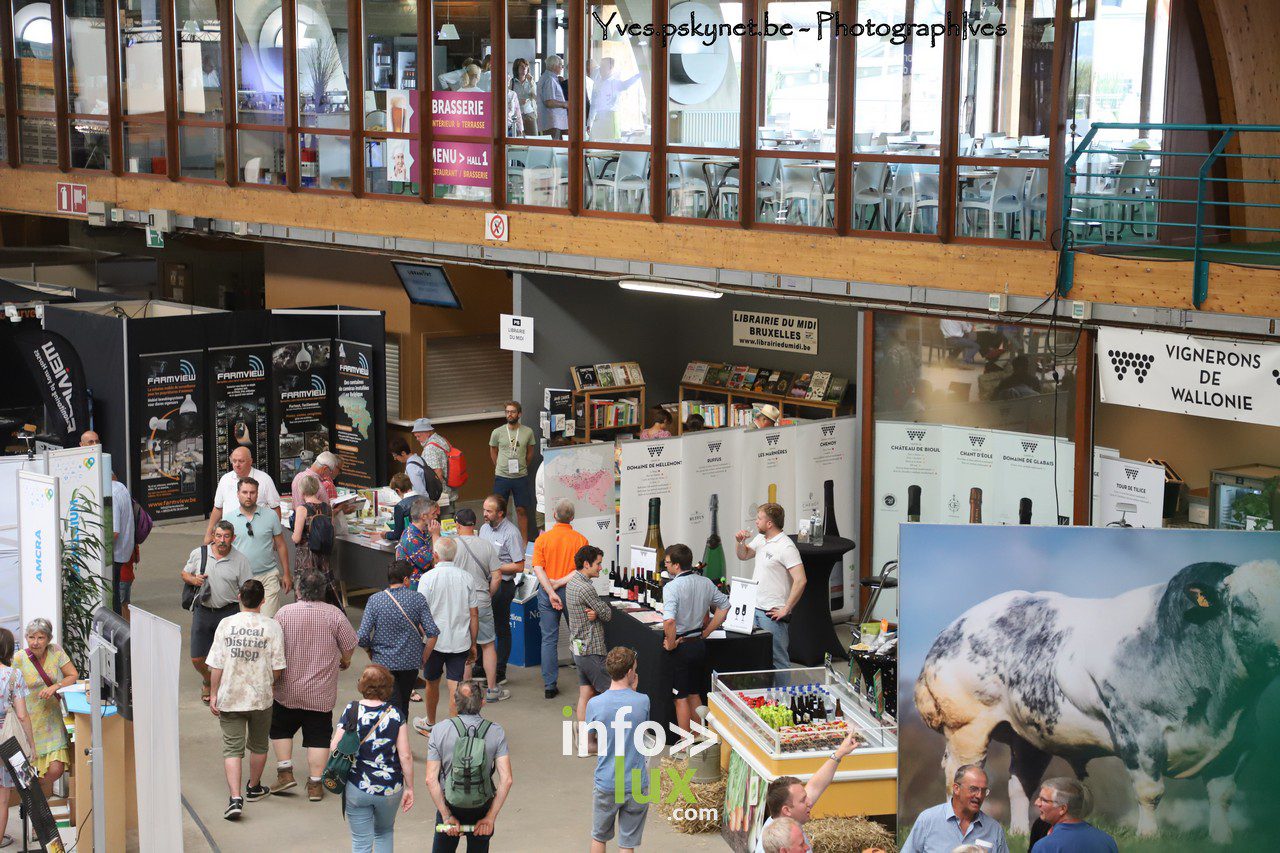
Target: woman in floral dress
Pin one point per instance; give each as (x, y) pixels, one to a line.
(12, 701)
(45, 667)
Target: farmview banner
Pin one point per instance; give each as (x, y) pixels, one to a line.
(170, 434)
(238, 388)
(300, 378)
(353, 418)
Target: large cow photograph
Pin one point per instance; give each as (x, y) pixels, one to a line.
(1143, 662)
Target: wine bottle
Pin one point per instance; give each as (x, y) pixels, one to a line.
(713, 553)
(975, 505)
(773, 493)
(615, 581)
(633, 592)
(653, 536)
(1024, 511)
(913, 503)
(829, 508)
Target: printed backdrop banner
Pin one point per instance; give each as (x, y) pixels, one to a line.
(824, 464)
(300, 375)
(353, 417)
(710, 486)
(650, 469)
(80, 473)
(238, 388)
(170, 437)
(768, 473)
(584, 474)
(1195, 376)
(40, 549)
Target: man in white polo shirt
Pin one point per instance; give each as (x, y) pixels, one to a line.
(224, 499)
(779, 575)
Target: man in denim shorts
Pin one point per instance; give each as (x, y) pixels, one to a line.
(619, 702)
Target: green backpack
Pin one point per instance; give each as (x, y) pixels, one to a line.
(469, 784)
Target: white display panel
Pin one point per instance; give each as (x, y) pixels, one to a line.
(40, 549)
(650, 469)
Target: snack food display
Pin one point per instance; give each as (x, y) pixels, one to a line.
(815, 737)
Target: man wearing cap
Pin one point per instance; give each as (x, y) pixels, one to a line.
(766, 416)
(435, 454)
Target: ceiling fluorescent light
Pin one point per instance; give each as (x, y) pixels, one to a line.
(668, 289)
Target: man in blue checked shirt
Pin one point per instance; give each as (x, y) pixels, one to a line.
(398, 632)
(415, 542)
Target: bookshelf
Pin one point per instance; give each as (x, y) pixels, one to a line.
(587, 397)
(735, 396)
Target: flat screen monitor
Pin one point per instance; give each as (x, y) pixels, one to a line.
(117, 682)
(427, 284)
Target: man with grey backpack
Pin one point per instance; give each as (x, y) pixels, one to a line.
(463, 755)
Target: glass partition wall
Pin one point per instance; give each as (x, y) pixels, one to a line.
(894, 132)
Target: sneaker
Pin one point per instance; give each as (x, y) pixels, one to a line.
(502, 677)
(496, 694)
(234, 809)
(551, 692)
(253, 793)
(284, 781)
(315, 791)
(421, 726)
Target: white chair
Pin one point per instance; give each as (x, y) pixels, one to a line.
(966, 145)
(562, 178)
(797, 186)
(768, 190)
(685, 178)
(1006, 197)
(924, 197)
(1133, 198)
(868, 190)
(1037, 201)
(538, 179)
(898, 199)
(628, 174)
(728, 192)
(861, 141)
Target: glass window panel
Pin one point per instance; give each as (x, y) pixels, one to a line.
(798, 110)
(900, 197)
(794, 192)
(90, 144)
(1001, 202)
(1006, 86)
(898, 87)
(39, 141)
(460, 170)
(141, 58)
(202, 153)
(538, 176)
(460, 63)
(259, 63)
(535, 33)
(379, 169)
(1111, 48)
(144, 151)
(704, 186)
(199, 59)
(703, 80)
(617, 106)
(391, 63)
(323, 91)
(616, 180)
(33, 38)
(261, 156)
(86, 57)
(324, 161)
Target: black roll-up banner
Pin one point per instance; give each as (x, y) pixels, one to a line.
(300, 375)
(353, 416)
(238, 389)
(170, 433)
(56, 368)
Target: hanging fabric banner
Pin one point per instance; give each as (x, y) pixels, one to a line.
(238, 387)
(353, 417)
(170, 434)
(300, 376)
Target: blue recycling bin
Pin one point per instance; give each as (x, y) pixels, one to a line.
(526, 633)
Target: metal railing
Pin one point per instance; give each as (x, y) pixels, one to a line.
(1144, 198)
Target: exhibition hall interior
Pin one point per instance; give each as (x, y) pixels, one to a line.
(760, 425)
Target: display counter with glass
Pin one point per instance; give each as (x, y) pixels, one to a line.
(788, 722)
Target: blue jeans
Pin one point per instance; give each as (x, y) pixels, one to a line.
(549, 620)
(781, 638)
(372, 820)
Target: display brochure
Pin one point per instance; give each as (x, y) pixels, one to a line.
(835, 391)
(634, 373)
(695, 373)
(300, 375)
(238, 390)
(584, 377)
(800, 388)
(782, 384)
(604, 375)
(170, 434)
(818, 386)
(717, 376)
(619, 374)
(355, 437)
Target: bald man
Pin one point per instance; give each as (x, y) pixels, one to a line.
(225, 496)
(89, 438)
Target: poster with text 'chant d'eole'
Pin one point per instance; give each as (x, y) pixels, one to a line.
(767, 459)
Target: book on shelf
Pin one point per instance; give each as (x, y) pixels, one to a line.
(607, 414)
(782, 384)
(633, 373)
(584, 377)
(741, 414)
(712, 414)
(760, 383)
(695, 373)
(835, 391)
(604, 375)
(818, 385)
(717, 375)
(800, 387)
(620, 376)
(738, 376)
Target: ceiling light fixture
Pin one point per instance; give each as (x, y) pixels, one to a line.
(668, 289)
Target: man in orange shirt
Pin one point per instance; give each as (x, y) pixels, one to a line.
(553, 564)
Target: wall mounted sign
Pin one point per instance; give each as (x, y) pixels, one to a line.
(775, 331)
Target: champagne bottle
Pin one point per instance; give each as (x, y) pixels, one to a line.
(1024, 511)
(829, 508)
(713, 554)
(975, 505)
(773, 493)
(653, 536)
(913, 503)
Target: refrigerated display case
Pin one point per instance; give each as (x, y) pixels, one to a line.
(1244, 497)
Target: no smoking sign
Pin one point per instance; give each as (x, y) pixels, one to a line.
(496, 227)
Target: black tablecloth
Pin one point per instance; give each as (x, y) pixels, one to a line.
(733, 653)
(812, 634)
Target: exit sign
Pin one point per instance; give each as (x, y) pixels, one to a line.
(73, 198)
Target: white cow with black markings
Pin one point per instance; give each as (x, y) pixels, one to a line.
(1165, 677)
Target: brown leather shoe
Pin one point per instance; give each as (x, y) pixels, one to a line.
(315, 791)
(284, 781)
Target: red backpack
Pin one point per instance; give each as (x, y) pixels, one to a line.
(455, 472)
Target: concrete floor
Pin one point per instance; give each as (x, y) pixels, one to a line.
(549, 807)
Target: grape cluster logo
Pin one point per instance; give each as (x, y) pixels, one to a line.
(828, 430)
(602, 523)
(1131, 473)
(655, 451)
(915, 434)
(1123, 361)
(772, 439)
(977, 440)
(1030, 446)
(714, 446)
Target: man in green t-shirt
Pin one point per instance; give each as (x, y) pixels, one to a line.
(511, 449)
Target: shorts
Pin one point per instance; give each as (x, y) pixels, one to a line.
(241, 728)
(204, 622)
(450, 664)
(517, 487)
(591, 673)
(630, 817)
(689, 668)
(486, 633)
(317, 726)
(126, 592)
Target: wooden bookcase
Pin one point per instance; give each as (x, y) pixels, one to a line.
(613, 392)
(739, 395)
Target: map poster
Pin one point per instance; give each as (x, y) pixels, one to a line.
(353, 419)
(171, 434)
(584, 474)
(238, 403)
(300, 376)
